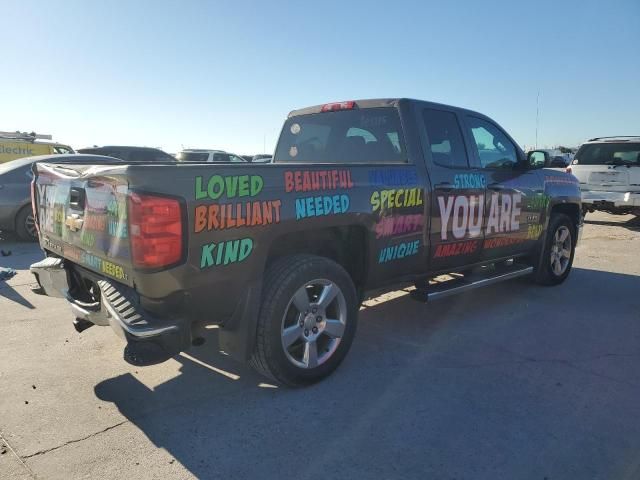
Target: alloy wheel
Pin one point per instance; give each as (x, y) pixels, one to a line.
(314, 323)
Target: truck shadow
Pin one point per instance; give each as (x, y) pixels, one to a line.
(632, 224)
(19, 257)
(9, 293)
(220, 419)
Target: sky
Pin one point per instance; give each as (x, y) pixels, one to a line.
(224, 74)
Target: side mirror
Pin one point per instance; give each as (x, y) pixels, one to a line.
(537, 159)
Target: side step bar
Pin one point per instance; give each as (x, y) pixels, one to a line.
(463, 284)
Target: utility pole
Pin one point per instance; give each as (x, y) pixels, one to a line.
(264, 143)
(537, 115)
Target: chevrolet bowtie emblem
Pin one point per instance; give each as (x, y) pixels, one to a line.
(74, 222)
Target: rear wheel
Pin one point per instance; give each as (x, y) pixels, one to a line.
(307, 320)
(26, 225)
(557, 253)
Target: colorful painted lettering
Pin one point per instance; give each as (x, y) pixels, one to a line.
(469, 180)
(534, 232)
(456, 248)
(231, 186)
(316, 180)
(248, 214)
(393, 177)
(396, 252)
(396, 198)
(502, 242)
(463, 215)
(321, 205)
(504, 213)
(398, 225)
(224, 253)
(116, 271)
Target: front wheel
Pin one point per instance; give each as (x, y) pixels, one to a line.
(307, 320)
(557, 253)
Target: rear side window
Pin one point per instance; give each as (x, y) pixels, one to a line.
(609, 154)
(371, 135)
(445, 138)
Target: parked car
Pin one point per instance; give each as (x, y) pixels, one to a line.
(14, 145)
(361, 195)
(608, 169)
(247, 158)
(210, 156)
(130, 154)
(261, 158)
(15, 198)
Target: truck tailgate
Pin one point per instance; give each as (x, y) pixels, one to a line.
(81, 211)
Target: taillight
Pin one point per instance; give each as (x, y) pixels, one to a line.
(332, 107)
(155, 229)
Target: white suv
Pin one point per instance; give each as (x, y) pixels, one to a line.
(609, 172)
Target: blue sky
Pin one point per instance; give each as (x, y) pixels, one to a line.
(225, 74)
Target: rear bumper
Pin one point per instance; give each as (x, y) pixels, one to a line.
(149, 339)
(611, 199)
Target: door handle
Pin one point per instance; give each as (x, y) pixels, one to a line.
(444, 186)
(496, 186)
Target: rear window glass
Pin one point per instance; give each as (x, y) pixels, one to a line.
(371, 135)
(609, 154)
(193, 156)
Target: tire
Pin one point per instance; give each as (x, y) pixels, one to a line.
(25, 225)
(291, 285)
(560, 241)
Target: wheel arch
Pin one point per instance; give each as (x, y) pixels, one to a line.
(345, 245)
(572, 210)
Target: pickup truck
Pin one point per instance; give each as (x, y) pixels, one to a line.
(361, 196)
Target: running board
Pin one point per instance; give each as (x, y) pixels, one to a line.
(462, 284)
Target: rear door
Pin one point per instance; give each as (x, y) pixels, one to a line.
(458, 192)
(515, 201)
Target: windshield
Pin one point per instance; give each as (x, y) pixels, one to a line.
(608, 154)
(193, 156)
(371, 135)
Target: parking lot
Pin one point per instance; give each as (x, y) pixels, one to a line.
(510, 381)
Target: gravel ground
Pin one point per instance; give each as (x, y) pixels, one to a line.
(513, 381)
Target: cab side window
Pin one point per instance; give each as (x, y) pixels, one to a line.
(445, 138)
(494, 149)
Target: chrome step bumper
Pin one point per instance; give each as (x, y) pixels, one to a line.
(464, 284)
(118, 306)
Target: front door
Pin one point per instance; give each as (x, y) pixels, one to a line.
(458, 193)
(515, 202)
